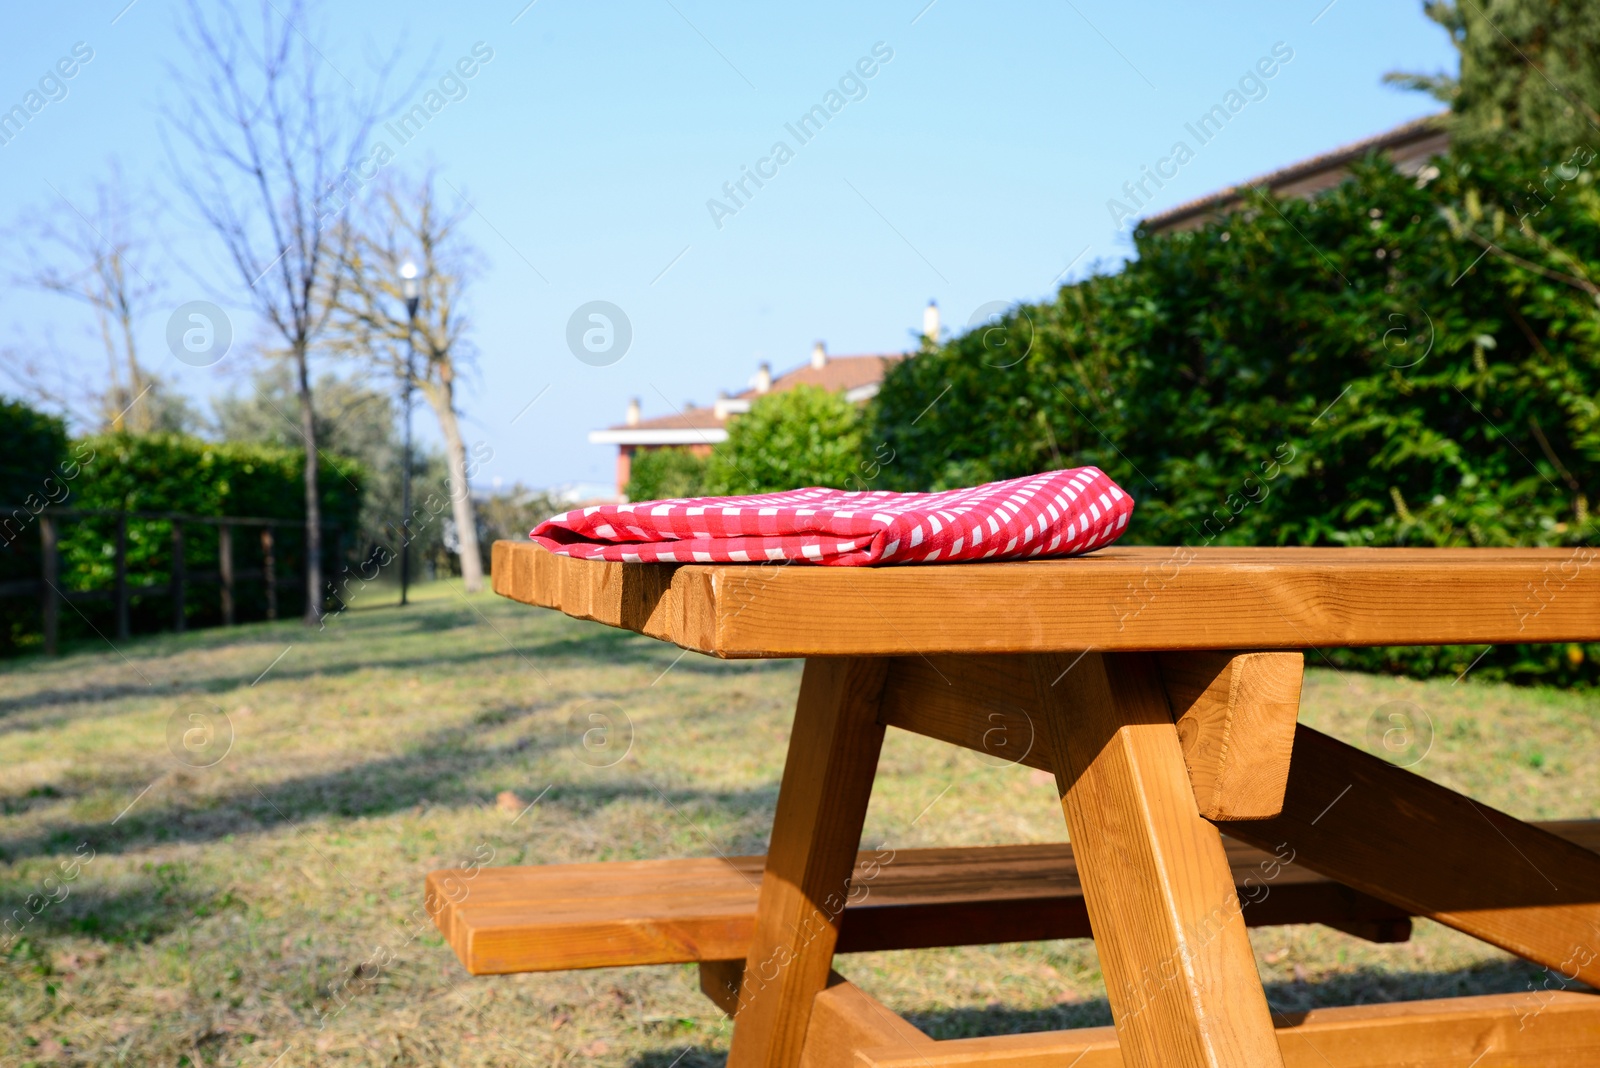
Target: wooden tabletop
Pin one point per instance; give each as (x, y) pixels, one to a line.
(1117, 599)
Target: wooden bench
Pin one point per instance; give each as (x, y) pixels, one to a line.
(1160, 687)
(554, 917)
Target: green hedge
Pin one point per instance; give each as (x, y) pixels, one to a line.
(175, 473)
(1340, 371)
(656, 474)
(35, 471)
(805, 436)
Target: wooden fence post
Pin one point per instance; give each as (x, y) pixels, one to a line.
(225, 570)
(50, 572)
(269, 570)
(178, 576)
(120, 562)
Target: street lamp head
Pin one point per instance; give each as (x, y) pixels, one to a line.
(408, 281)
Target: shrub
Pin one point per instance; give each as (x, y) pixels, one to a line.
(35, 471)
(1355, 369)
(800, 437)
(656, 474)
(175, 473)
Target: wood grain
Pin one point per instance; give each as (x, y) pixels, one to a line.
(1489, 1031)
(1118, 599)
(1168, 926)
(1236, 717)
(1427, 849)
(844, 1018)
(523, 919)
(822, 802)
(719, 981)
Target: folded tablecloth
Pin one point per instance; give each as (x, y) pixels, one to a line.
(1058, 513)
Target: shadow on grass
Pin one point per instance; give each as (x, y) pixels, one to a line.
(130, 909)
(437, 770)
(593, 642)
(682, 1056)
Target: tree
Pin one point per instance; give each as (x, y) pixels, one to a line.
(408, 224)
(1530, 72)
(1442, 85)
(270, 133)
(98, 258)
(353, 420)
(806, 436)
(1530, 69)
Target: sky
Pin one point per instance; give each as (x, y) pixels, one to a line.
(977, 163)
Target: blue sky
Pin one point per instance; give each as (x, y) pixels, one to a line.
(974, 166)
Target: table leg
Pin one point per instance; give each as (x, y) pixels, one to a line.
(1167, 922)
(822, 802)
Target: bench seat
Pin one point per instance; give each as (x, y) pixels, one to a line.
(560, 916)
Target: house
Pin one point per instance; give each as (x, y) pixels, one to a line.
(1409, 146)
(700, 429)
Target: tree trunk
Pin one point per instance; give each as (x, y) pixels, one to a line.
(442, 398)
(142, 421)
(115, 410)
(308, 430)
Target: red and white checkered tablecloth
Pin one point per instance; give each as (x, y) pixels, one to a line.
(1058, 513)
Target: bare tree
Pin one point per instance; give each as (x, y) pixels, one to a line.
(408, 224)
(94, 256)
(273, 127)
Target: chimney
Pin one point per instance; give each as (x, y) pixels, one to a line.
(633, 412)
(819, 355)
(763, 380)
(930, 321)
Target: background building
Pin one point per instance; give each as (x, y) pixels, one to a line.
(700, 429)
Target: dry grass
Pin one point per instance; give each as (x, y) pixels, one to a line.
(263, 910)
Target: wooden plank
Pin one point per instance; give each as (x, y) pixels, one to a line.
(719, 981)
(179, 579)
(1236, 717)
(269, 571)
(1168, 926)
(1427, 849)
(1134, 598)
(1525, 1030)
(495, 918)
(502, 921)
(50, 583)
(822, 803)
(634, 598)
(225, 570)
(987, 704)
(120, 577)
(543, 918)
(844, 1018)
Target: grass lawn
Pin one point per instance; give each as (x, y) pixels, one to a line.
(220, 907)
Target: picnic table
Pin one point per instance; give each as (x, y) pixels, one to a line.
(1161, 688)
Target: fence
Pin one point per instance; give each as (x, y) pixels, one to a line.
(271, 573)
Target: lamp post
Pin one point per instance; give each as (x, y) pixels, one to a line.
(411, 290)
